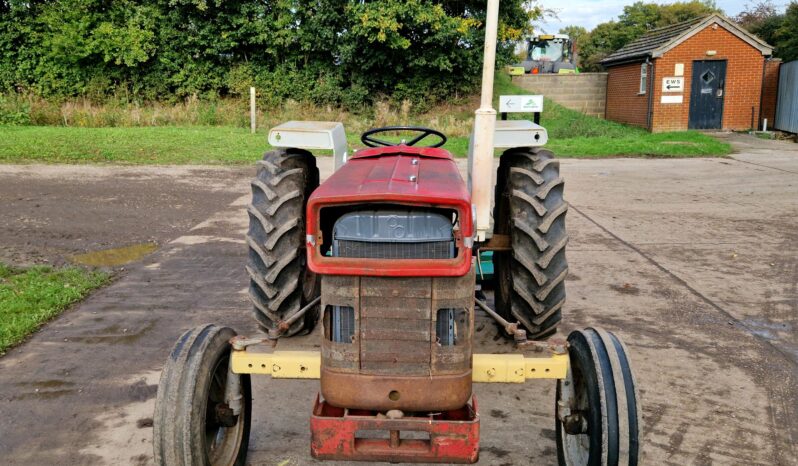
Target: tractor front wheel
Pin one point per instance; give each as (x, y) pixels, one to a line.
(530, 209)
(195, 421)
(598, 415)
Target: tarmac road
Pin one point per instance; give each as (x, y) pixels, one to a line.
(692, 262)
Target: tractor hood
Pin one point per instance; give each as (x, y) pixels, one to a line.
(418, 175)
(397, 175)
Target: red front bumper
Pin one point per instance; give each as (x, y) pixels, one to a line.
(453, 435)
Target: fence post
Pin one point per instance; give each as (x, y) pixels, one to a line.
(252, 112)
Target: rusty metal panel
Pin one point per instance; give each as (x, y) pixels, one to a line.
(390, 304)
(340, 291)
(453, 293)
(407, 287)
(453, 436)
(395, 329)
(454, 287)
(396, 342)
(385, 392)
(400, 307)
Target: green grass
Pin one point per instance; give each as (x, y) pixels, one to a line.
(571, 134)
(675, 144)
(30, 297)
(143, 145)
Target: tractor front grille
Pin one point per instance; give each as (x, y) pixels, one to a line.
(394, 234)
(388, 250)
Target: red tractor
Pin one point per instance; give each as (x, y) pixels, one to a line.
(385, 254)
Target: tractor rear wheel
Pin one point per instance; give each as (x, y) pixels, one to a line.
(280, 281)
(598, 413)
(193, 423)
(530, 279)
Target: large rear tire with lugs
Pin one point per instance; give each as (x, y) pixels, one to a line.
(530, 209)
(280, 281)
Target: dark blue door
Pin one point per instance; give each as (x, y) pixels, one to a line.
(706, 94)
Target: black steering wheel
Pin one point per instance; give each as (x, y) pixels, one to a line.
(366, 138)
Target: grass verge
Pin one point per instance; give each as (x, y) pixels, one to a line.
(571, 134)
(226, 145)
(30, 297)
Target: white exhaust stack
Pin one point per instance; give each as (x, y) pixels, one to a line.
(480, 171)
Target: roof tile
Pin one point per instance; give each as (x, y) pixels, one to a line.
(652, 40)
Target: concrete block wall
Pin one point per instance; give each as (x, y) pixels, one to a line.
(584, 92)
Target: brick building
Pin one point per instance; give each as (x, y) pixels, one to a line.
(705, 73)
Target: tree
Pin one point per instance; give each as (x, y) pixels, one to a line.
(323, 51)
(576, 33)
(786, 36)
(754, 15)
(637, 19)
(777, 29)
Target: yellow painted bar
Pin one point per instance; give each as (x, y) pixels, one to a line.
(553, 367)
(279, 364)
(490, 368)
(515, 368)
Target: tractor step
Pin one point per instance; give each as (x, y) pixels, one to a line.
(358, 435)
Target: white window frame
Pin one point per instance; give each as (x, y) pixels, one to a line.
(643, 78)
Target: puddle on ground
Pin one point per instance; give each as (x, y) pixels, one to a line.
(767, 329)
(780, 334)
(114, 257)
(115, 334)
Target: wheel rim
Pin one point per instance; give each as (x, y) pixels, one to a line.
(573, 394)
(222, 443)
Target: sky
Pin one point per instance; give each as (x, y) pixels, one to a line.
(589, 13)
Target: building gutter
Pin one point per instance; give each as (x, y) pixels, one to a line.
(625, 61)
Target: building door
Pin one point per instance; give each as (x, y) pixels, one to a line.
(706, 94)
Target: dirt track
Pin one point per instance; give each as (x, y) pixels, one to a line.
(694, 263)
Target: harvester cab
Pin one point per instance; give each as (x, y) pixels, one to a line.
(383, 258)
(549, 54)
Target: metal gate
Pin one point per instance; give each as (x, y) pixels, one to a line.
(787, 103)
(706, 94)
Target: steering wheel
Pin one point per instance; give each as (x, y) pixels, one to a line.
(367, 139)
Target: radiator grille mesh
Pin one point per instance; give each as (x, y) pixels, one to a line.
(391, 250)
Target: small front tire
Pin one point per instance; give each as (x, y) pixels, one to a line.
(598, 415)
(192, 424)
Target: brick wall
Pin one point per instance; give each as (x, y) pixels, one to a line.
(624, 103)
(770, 91)
(744, 66)
(584, 92)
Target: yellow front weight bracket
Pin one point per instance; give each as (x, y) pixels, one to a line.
(516, 368)
(496, 368)
(279, 364)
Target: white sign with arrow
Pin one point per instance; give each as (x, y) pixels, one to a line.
(520, 103)
(674, 84)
